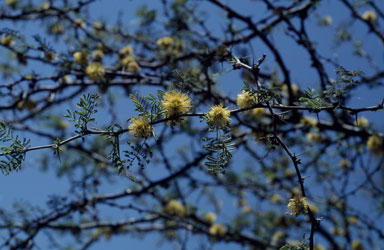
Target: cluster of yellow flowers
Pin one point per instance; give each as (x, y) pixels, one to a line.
(294, 87)
(97, 55)
(218, 116)
(362, 122)
(308, 121)
(165, 42)
(128, 61)
(175, 208)
(217, 230)
(80, 58)
(313, 137)
(210, 217)
(344, 163)
(7, 41)
(12, 3)
(95, 71)
(356, 245)
(140, 127)
(369, 16)
(298, 205)
(375, 144)
(175, 103)
(246, 100)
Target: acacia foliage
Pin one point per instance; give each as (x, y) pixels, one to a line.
(282, 163)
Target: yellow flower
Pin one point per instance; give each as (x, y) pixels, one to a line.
(7, 41)
(140, 127)
(175, 208)
(246, 100)
(319, 247)
(79, 23)
(80, 58)
(369, 16)
(288, 173)
(133, 67)
(95, 71)
(44, 5)
(258, 112)
(11, 3)
(308, 121)
(98, 55)
(356, 245)
(165, 42)
(218, 116)
(98, 26)
(275, 198)
(352, 220)
(362, 122)
(298, 205)
(344, 163)
(327, 20)
(314, 137)
(126, 51)
(210, 217)
(217, 230)
(175, 103)
(294, 87)
(278, 237)
(126, 60)
(26, 104)
(337, 231)
(375, 144)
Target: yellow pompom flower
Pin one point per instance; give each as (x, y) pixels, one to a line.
(245, 100)
(210, 217)
(44, 6)
(278, 237)
(314, 137)
(79, 23)
(165, 42)
(140, 127)
(98, 55)
(352, 220)
(218, 116)
(133, 67)
(7, 41)
(369, 16)
(12, 3)
(175, 103)
(126, 51)
(327, 20)
(362, 122)
(175, 208)
(319, 247)
(294, 87)
(80, 58)
(337, 231)
(375, 144)
(95, 71)
(298, 205)
(275, 198)
(308, 121)
(258, 112)
(126, 60)
(217, 230)
(356, 245)
(344, 163)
